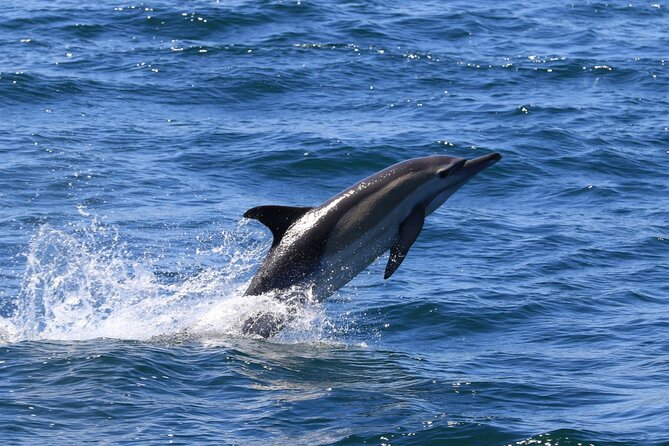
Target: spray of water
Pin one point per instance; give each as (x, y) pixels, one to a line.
(85, 284)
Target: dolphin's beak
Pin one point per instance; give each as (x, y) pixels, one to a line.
(472, 167)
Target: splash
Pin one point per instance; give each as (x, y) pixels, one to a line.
(86, 283)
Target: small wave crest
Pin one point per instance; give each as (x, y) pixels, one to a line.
(86, 283)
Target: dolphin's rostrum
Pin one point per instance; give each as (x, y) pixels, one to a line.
(322, 248)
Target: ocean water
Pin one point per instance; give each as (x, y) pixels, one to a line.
(531, 310)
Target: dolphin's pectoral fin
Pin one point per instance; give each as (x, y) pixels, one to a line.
(277, 218)
(409, 230)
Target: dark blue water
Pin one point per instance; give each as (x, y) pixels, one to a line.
(531, 310)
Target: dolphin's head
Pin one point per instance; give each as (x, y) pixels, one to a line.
(450, 173)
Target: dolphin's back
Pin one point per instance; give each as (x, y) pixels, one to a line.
(320, 240)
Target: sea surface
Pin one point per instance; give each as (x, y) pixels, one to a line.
(532, 310)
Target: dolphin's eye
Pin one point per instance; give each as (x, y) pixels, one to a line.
(443, 173)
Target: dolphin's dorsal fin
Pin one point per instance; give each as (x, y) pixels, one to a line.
(277, 218)
(408, 233)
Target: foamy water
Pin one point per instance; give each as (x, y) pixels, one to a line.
(84, 283)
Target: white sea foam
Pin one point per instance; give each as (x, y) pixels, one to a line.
(87, 284)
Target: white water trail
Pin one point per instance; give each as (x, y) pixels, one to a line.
(86, 284)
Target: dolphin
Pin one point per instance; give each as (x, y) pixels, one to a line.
(322, 248)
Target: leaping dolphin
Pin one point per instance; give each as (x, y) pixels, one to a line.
(322, 248)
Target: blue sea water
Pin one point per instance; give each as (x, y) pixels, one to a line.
(531, 310)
